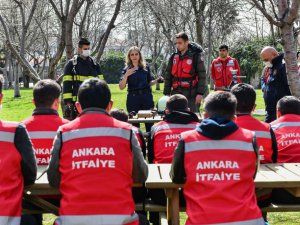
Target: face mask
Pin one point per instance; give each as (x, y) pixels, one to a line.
(86, 53)
(268, 64)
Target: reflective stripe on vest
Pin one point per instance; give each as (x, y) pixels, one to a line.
(42, 134)
(10, 220)
(97, 219)
(96, 132)
(7, 136)
(218, 145)
(172, 126)
(262, 134)
(285, 124)
(259, 221)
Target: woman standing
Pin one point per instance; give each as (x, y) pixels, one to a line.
(139, 79)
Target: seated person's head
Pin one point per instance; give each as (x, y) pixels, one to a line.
(245, 96)
(46, 94)
(288, 105)
(119, 114)
(94, 93)
(220, 104)
(177, 102)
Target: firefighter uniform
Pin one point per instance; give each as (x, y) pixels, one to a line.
(76, 71)
(42, 127)
(186, 75)
(221, 72)
(217, 162)
(18, 168)
(95, 161)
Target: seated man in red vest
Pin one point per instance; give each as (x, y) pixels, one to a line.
(218, 162)
(265, 137)
(94, 161)
(17, 168)
(42, 127)
(165, 136)
(287, 131)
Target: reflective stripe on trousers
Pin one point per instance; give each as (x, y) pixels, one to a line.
(10, 220)
(259, 221)
(97, 219)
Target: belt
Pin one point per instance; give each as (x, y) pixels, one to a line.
(139, 92)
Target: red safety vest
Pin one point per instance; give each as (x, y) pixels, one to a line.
(221, 72)
(137, 134)
(11, 178)
(183, 72)
(262, 133)
(42, 130)
(96, 171)
(220, 179)
(166, 136)
(287, 132)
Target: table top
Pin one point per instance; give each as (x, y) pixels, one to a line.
(269, 176)
(154, 119)
(285, 175)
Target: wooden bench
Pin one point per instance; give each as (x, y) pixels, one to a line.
(281, 208)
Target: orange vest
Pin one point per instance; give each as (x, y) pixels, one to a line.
(287, 132)
(262, 133)
(221, 72)
(166, 136)
(183, 72)
(42, 130)
(220, 178)
(11, 178)
(96, 171)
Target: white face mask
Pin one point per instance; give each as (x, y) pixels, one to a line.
(86, 53)
(268, 64)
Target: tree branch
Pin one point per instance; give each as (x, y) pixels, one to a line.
(293, 12)
(56, 10)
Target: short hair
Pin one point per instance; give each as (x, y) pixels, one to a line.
(45, 92)
(223, 46)
(182, 35)
(289, 105)
(94, 92)
(83, 41)
(220, 103)
(298, 53)
(177, 102)
(1, 83)
(246, 97)
(119, 114)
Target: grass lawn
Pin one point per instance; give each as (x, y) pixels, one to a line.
(17, 109)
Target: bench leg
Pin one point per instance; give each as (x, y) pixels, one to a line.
(173, 206)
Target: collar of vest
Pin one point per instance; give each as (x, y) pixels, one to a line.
(93, 110)
(44, 111)
(181, 117)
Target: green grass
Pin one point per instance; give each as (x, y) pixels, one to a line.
(17, 109)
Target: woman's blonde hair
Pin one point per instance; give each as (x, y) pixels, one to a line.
(142, 63)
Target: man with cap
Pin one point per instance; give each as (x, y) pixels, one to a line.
(81, 67)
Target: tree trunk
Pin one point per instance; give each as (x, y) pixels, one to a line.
(17, 93)
(290, 59)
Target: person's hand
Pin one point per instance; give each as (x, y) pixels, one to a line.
(198, 99)
(160, 79)
(129, 72)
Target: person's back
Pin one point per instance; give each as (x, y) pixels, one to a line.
(218, 162)
(287, 129)
(265, 137)
(165, 134)
(17, 166)
(45, 121)
(99, 159)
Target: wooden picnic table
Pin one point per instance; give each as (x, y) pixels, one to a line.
(269, 176)
(153, 119)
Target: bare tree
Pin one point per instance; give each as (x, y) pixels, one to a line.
(284, 16)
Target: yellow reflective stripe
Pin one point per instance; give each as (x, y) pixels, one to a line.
(67, 95)
(74, 98)
(67, 78)
(82, 78)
